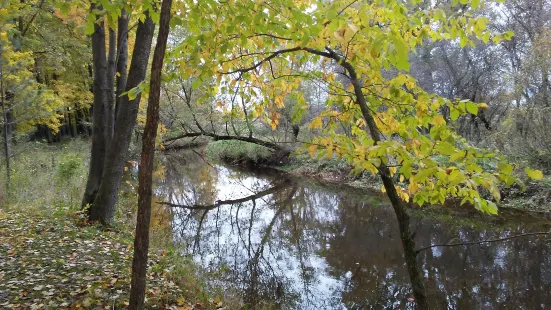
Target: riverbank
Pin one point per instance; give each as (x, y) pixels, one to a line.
(52, 258)
(535, 198)
(55, 261)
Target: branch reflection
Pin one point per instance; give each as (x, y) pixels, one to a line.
(290, 244)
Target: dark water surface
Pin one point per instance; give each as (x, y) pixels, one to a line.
(292, 244)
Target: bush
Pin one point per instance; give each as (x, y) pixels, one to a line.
(69, 166)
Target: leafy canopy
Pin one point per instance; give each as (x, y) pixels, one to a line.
(27, 100)
(269, 47)
(266, 49)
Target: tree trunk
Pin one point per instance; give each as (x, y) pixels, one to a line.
(406, 236)
(296, 130)
(122, 59)
(111, 66)
(274, 146)
(6, 127)
(97, 154)
(141, 240)
(103, 208)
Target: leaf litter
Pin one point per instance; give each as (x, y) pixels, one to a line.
(53, 263)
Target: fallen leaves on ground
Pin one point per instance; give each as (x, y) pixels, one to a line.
(48, 263)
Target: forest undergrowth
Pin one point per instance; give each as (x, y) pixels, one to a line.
(52, 258)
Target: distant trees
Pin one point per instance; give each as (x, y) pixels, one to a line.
(37, 60)
(512, 78)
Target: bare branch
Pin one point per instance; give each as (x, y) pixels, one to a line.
(219, 203)
(481, 242)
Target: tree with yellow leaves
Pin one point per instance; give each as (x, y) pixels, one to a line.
(360, 51)
(25, 102)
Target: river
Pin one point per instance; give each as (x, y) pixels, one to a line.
(282, 242)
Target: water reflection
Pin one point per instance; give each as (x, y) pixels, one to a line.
(287, 244)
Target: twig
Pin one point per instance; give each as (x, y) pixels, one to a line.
(480, 242)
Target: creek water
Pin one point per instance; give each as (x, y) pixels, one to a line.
(283, 242)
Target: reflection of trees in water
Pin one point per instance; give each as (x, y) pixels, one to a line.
(295, 246)
(366, 252)
(509, 274)
(187, 179)
(513, 274)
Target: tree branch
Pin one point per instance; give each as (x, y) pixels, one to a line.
(216, 137)
(219, 203)
(259, 63)
(480, 242)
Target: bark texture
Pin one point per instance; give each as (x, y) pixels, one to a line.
(141, 240)
(122, 59)
(97, 153)
(110, 106)
(7, 152)
(103, 207)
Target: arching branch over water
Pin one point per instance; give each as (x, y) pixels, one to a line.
(219, 203)
(216, 137)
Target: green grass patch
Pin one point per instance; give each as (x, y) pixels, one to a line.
(238, 152)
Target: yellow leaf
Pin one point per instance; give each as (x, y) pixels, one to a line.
(316, 123)
(534, 174)
(180, 301)
(312, 149)
(439, 120)
(413, 187)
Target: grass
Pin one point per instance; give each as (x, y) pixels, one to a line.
(331, 170)
(238, 152)
(51, 258)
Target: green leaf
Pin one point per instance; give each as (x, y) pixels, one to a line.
(195, 84)
(463, 41)
(457, 155)
(505, 168)
(508, 35)
(445, 148)
(486, 37)
(454, 114)
(89, 28)
(133, 93)
(472, 108)
(534, 174)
